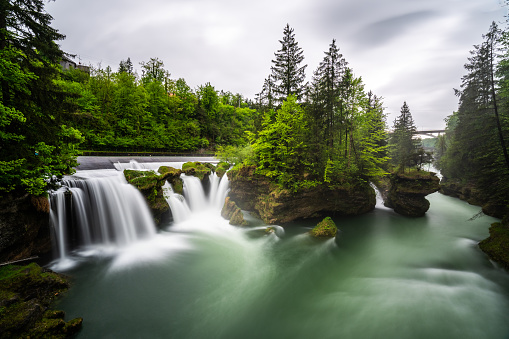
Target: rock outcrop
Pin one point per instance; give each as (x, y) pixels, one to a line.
(253, 192)
(24, 227)
(469, 192)
(150, 185)
(406, 193)
(26, 293)
(324, 229)
(232, 212)
(496, 246)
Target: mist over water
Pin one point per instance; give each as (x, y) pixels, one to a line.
(384, 276)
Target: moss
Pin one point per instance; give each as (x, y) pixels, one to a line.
(496, 246)
(150, 185)
(197, 169)
(221, 168)
(25, 295)
(325, 229)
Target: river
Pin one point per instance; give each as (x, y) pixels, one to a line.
(383, 276)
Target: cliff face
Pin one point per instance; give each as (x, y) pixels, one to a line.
(24, 227)
(406, 193)
(254, 192)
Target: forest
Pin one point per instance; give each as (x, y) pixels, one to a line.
(330, 129)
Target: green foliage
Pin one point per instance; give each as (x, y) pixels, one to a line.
(280, 148)
(37, 146)
(236, 155)
(404, 148)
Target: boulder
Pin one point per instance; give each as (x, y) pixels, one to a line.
(197, 169)
(407, 192)
(254, 192)
(233, 213)
(324, 229)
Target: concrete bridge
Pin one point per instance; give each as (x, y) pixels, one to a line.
(430, 133)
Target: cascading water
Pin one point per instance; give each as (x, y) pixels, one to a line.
(98, 210)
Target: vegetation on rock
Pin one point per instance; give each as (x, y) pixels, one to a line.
(197, 169)
(26, 293)
(325, 229)
(496, 246)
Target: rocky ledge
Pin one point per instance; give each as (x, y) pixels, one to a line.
(254, 192)
(469, 192)
(496, 246)
(406, 192)
(26, 293)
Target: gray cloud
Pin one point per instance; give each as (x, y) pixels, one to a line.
(404, 50)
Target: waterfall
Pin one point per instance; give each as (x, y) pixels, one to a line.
(194, 198)
(101, 210)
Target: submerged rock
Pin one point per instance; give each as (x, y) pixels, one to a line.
(233, 213)
(496, 246)
(254, 192)
(26, 292)
(406, 192)
(324, 229)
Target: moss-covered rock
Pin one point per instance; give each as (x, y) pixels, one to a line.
(407, 192)
(197, 169)
(26, 292)
(150, 185)
(254, 192)
(496, 246)
(233, 213)
(222, 168)
(172, 175)
(324, 229)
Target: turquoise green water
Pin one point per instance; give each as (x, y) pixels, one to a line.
(384, 276)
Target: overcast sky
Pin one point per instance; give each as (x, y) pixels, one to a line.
(405, 50)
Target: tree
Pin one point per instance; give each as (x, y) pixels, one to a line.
(327, 82)
(280, 148)
(36, 146)
(403, 147)
(126, 66)
(287, 73)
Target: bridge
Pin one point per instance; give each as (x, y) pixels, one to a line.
(429, 133)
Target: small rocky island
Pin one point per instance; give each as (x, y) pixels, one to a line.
(406, 192)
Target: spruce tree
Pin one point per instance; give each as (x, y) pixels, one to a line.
(287, 72)
(403, 147)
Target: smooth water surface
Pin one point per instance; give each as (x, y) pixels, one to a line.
(384, 276)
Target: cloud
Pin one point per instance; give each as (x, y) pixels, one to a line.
(383, 31)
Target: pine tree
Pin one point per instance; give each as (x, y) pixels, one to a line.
(403, 147)
(287, 73)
